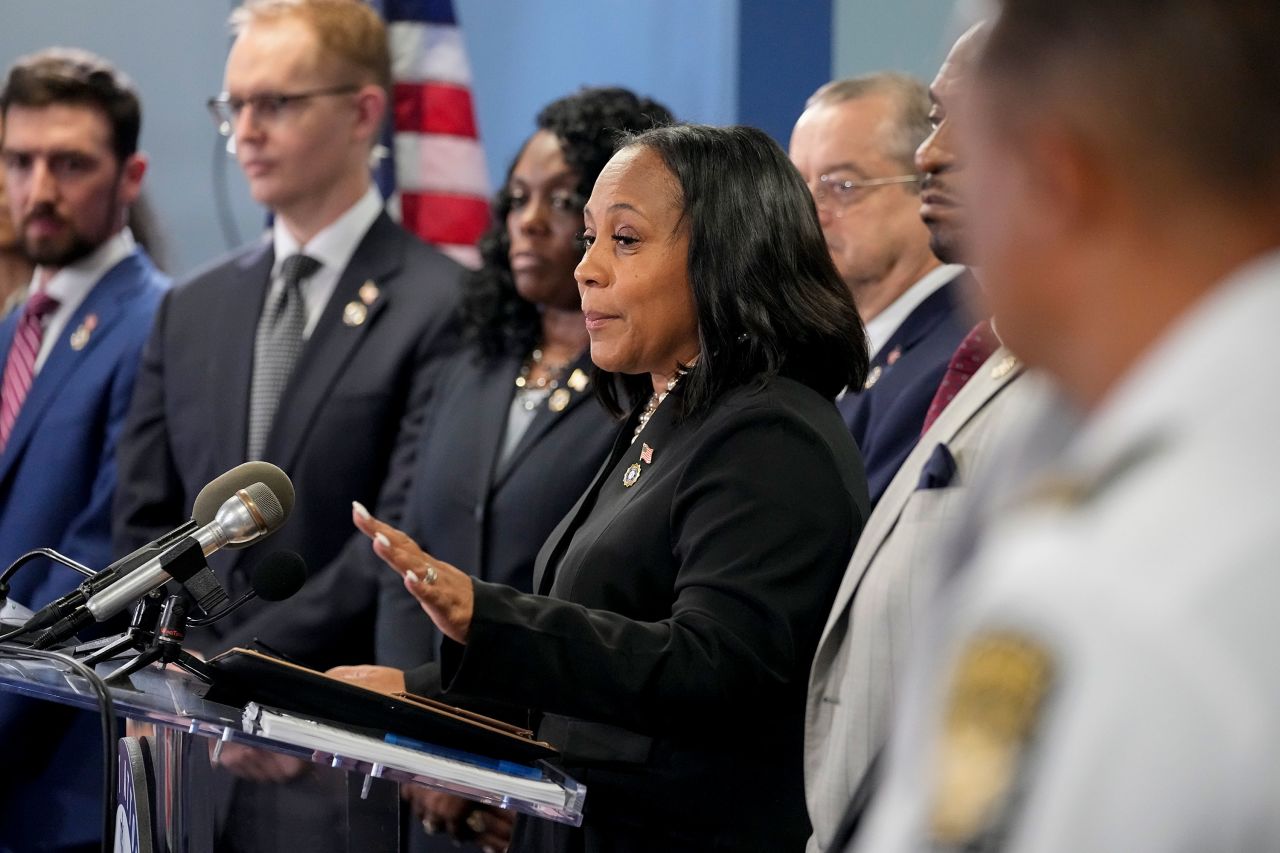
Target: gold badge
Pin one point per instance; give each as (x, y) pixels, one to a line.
(80, 337)
(631, 476)
(558, 400)
(1005, 367)
(993, 706)
(578, 380)
(369, 292)
(354, 313)
(872, 378)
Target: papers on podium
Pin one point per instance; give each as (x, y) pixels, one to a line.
(333, 740)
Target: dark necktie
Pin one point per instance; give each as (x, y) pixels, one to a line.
(20, 368)
(276, 349)
(976, 348)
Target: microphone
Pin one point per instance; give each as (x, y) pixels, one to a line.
(204, 584)
(222, 488)
(248, 515)
(276, 578)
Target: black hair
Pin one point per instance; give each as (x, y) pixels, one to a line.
(70, 76)
(1200, 76)
(588, 124)
(768, 296)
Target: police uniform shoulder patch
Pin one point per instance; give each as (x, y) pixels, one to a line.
(993, 707)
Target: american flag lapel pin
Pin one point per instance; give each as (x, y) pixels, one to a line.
(646, 454)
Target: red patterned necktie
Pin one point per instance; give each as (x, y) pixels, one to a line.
(976, 348)
(20, 368)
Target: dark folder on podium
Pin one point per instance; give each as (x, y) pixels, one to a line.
(244, 675)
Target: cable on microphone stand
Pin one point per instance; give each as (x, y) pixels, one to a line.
(107, 713)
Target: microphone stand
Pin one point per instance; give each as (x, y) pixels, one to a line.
(138, 635)
(166, 646)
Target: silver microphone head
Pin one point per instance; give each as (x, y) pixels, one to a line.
(224, 487)
(250, 514)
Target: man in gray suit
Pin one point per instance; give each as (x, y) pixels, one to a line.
(312, 349)
(891, 576)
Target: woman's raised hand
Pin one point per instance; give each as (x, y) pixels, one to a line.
(446, 594)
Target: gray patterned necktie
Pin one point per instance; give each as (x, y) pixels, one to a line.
(276, 349)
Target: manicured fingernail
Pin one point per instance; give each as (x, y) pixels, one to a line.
(360, 510)
(413, 579)
(381, 539)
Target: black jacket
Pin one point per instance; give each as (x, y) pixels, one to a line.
(668, 653)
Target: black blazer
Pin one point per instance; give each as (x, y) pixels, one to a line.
(462, 507)
(886, 418)
(668, 652)
(347, 421)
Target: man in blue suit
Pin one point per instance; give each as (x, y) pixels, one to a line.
(855, 147)
(71, 352)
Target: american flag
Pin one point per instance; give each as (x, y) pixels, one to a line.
(436, 182)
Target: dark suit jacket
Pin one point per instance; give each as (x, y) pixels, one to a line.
(668, 651)
(463, 508)
(886, 418)
(57, 477)
(346, 423)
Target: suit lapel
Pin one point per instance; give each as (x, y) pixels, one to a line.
(105, 303)
(236, 327)
(495, 381)
(556, 543)
(973, 398)
(546, 418)
(328, 351)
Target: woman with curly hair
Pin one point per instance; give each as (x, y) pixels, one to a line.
(514, 434)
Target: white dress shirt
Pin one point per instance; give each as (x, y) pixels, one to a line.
(332, 246)
(882, 326)
(71, 284)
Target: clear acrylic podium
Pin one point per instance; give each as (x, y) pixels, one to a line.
(190, 733)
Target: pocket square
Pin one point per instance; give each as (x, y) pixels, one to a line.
(939, 471)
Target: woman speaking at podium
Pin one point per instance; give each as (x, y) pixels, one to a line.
(666, 646)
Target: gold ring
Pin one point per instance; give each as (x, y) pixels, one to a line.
(477, 823)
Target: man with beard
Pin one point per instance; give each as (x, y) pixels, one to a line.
(72, 169)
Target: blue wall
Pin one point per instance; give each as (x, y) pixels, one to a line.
(523, 55)
(716, 61)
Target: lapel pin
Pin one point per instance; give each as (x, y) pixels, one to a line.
(369, 292)
(80, 337)
(894, 355)
(578, 380)
(559, 400)
(646, 454)
(872, 378)
(631, 476)
(1005, 367)
(354, 313)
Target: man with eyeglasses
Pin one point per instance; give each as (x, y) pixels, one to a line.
(311, 349)
(854, 145)
(70, 354)
(884, 603)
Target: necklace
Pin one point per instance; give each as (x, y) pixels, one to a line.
(655, 400)
(549, 381)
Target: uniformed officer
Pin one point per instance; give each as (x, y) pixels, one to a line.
(1109, 679)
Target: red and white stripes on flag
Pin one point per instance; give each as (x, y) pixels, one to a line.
(20, 367)
(441, 187)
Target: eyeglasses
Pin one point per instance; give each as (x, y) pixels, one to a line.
(267, 107)
(840, 194)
